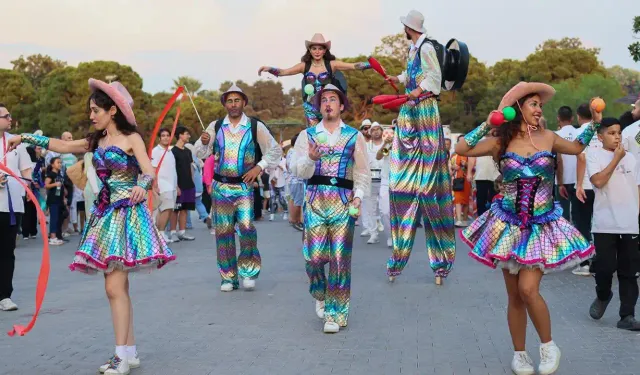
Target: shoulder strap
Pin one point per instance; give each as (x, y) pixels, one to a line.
(327, 65)
(217, 127)
(307, 66)
(254, 135)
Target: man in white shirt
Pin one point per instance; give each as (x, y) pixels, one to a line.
(584, 189)
(277, 184)
(167, 181)
(11, 207)
(485, 176)
(332, 157)
(614, 175)
(383, 156)
(566, 172)
(370, 213)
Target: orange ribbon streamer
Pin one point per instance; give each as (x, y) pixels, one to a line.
(45, 265)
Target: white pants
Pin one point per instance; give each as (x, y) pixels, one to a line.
(385, 209)
(370, 213)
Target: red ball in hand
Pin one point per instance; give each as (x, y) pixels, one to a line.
(496, 118)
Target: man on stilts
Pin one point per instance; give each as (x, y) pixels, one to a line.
(332, 157)
(419, 177)
(238, 145)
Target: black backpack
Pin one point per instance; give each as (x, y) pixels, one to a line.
(453, 60)
(254, 136)
(337, 78)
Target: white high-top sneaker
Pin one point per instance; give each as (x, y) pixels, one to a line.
(331, 327)
(374, 238)
(116, 366)
(522, 364)
(249, 284)
(365, 233)
(133, 363)
(320, 309)
(549, 358)
(227, 287)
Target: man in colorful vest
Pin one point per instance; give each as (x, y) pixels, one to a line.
(332, 157)
(419, 176)
(237, 141)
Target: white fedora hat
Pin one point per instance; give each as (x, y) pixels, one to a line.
(317, 40)
(415, 21)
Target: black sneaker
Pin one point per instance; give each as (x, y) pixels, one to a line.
(629, 323)
(598, 307)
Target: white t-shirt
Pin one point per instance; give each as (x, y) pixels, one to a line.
(629, 139)
(375, 165)
(17, 160)
(277, 173)
(486, 169)
(167, 176)
(595, 144)
(615, 209)
(569, 162)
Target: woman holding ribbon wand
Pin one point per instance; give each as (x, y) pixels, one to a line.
(120, 236)
(318, 66)
(524, 232)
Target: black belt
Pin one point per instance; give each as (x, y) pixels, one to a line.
(331, 181)
(227, 180)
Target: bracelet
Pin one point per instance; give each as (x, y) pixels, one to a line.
(473, 137)
(145, 181)
(274, 71)
(585, 137)
(362, 65)
(36, 140)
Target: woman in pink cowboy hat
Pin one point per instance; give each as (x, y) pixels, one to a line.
(318, 66)
(524, 232)
(120, 236)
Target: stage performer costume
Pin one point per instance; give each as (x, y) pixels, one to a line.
(340, 174)
(238, 149)
(524, 232)
(419, 176)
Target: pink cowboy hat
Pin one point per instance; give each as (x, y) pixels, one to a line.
(523, 89)
(317, 40)
(118, 94)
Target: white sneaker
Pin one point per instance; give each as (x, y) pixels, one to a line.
(115, 366)
(522, 364)
(285, 217)
(8, 305)
(549, 358)
(227, 287)
(389, 242)
(380, 226)
(248, 284)
(65, 235)
(185, 237)
(331, 327)
(365, 233)
(133, 363)
(374, 238)
(320, 309)
(55, 242)
(581, 271)
(167, 239)
(272, 217)
(175, 238)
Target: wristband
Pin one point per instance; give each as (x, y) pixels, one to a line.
(145, 181)
(473, 137)
(36, 140)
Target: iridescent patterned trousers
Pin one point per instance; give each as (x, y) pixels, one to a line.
(328, 238)
(420, 180)
(234, 203)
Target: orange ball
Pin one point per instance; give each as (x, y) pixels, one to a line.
(598, 105)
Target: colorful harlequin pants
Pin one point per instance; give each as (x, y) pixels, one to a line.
(328, 238)
(234, 203)
(420, 181)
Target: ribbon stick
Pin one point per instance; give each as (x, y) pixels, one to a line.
(45, 265)
(173, 133)
(194, 106)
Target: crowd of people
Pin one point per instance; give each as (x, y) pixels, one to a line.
(392, 179)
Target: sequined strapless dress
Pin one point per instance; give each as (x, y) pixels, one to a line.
(524, 228)
(118, 234)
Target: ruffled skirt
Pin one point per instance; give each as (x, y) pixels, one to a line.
(123, 237)
(549, 242)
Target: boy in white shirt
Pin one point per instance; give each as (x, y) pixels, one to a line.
(615, 178)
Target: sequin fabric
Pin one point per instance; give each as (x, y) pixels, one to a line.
(118, 234)
(328, 236)
(235, 155)
(419, 180)
(524, 228)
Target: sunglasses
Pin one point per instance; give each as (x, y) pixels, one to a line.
(7, 116)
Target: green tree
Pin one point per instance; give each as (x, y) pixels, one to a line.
(634, 48)
(269, 95)
(54, 100)
(396, 46)
(17, 93)
(191, 83)
(556, 61)
(629, 79)
(36, 67)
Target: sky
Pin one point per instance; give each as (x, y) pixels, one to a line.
(219, 40)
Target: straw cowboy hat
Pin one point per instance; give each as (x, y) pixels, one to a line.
(317, 40)
(415, 21)
(118, 94)
(343, 98)
(236, 89)
(523, 89)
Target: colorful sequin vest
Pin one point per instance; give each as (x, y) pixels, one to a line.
(234, 152)
(414, 69)
(336, 161)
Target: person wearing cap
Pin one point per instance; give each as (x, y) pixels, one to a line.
(317, 66)
(370, 212)
(419, 180)
(120, 236)
(243, 148)
(524, 232)
(332, 157)
(364, 129)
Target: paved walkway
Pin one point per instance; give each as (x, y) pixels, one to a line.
(185, 325)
